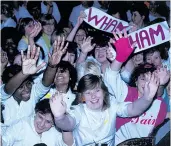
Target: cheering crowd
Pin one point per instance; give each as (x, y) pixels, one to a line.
(65, 83)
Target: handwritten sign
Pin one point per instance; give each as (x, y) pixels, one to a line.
(103, 21)
(146, 37)
(150, 36)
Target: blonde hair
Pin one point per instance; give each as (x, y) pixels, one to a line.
(89, 67)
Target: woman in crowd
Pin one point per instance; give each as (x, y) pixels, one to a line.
(94, 121)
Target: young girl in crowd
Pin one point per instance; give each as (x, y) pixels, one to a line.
(94, 121)
(64, 82)
(48, 26)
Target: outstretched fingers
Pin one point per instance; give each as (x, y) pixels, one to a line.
(33, 51)
(37, 53)
(28, 52)
(23, 57)
(65, 48)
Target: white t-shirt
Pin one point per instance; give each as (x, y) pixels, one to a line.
(14, 112)
(115, 84)
(23, 133)
(97, 126)
(55, 13)
(8, 23)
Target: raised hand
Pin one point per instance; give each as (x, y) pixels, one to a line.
(111, 54)
(151, 85)
(86, 45)
(81, 18)
(4, 59)
(163, 75)
(133, 26)
(58, 50)
(57, 105)
(122, 45)
(37, 28)
(29, 61)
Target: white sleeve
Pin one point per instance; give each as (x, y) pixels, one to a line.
(115, 84)
(56, 14)
(13, 134)
(22, 45)
(4, 96)
(122, 109)
(39, 90)
(76, 113)
(72, 17)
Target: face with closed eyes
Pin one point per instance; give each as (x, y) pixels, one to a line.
(94, 98)
(43, 122)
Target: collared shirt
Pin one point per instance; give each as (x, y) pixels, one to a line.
(13, 111)
(23, 134)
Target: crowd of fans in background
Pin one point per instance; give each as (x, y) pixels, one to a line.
(65, 83)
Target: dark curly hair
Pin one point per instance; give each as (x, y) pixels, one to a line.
(141, 69)
(65, 65)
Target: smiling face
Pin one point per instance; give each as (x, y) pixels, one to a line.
(49, 27)
(62, 77)
(80, 36)
(100, 54)
(43, 122)
(24, 91)
(154, 58)
(94, 98)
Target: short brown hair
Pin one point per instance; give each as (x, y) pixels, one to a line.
(91, 81)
